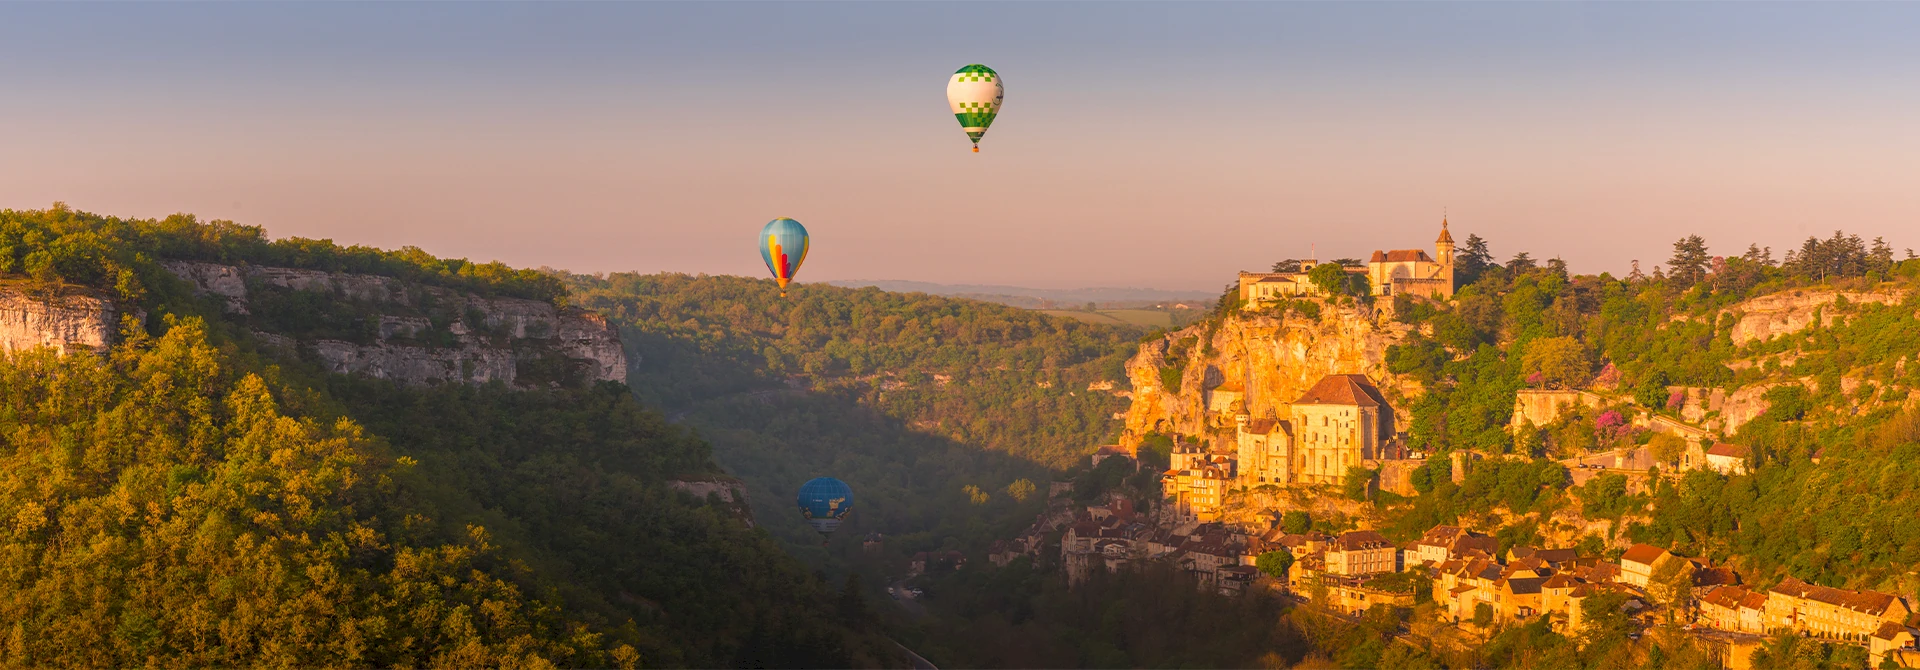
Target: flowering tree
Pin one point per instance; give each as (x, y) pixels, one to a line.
(1609, 424)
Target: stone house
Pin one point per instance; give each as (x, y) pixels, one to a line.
(1362, 552)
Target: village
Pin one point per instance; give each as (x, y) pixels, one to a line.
(1476, 588)
(1313, 445)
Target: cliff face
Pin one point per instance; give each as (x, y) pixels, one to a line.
(413, 333)
(1770, 316)
(1274, 359)
(65, 322)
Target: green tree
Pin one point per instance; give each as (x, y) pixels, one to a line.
(1020, 489)
(1667, 448)
(1296, 522)
(1560, 361)
(1482, 615)
(1472, 260)
(1359, 483)
(1689, 262)
(1671, 584)
(974, 494)
(1275, 563)
(1331, 278)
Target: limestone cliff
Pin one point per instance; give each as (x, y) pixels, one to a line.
(67, 321)
(1770, 316)
(388, 328)
(1273, 359)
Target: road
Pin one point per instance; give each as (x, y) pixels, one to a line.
(918, 662)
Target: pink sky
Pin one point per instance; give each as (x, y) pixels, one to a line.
(1101, 172)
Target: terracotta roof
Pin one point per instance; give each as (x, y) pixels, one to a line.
(1549, 556)
(1729, 597)
(1871, 602)
(1444, 235)
(1402, 256)
(1560, 581)
(1889, 630)
(1343, 390)
(1275, 279)
(1361, 539)
(1754, 601)
(1644, 554)
(1440, 535)
(1730, 450)
(1377, 257)
(1267, 426)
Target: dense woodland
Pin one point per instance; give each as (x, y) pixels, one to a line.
(185, 500)
(909, 398)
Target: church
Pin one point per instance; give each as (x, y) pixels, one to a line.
(1342, 422)
(1389, 273)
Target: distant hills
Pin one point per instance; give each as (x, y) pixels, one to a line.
(1038, 298)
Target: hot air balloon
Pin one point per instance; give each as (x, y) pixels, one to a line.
(974, 93)
(783, 245)
(824, 501)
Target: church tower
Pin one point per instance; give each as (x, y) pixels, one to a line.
(1443, 248)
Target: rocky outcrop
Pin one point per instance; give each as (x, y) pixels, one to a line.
(419, 334)
(731, 493)
(69, 322)
(1771, 316)
(1274, 359)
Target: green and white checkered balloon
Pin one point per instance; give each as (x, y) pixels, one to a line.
(974, 93)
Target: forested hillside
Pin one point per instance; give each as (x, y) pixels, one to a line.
(1838, 387)
(931, 408)
(192, 496)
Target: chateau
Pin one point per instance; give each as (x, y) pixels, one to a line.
(1389, 273)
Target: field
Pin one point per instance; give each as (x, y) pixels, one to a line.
(1142, 318)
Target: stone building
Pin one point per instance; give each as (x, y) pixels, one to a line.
(1412, 272)
(1361, 552)
(1340, 422)
(1343, 421)
(1390, 273)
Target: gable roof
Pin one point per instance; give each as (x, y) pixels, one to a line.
(1871, 602)
(1269, 426)
(1353, 390)
(1729, 450)
(1401, 256)
(1525, 585)
(1644, 554)
(1361, 539)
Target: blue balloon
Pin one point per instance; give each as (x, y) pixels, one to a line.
(824, 501)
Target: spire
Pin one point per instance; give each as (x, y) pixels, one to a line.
(1445, 237)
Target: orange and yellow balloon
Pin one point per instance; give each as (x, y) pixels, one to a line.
(783, 245)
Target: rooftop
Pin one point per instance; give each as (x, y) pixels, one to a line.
(1343, 390)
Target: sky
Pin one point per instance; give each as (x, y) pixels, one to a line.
(1161, 145)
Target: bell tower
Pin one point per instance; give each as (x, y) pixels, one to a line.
(1443, 248)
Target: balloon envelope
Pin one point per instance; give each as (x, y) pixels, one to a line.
(824, 501)
(783, 245)
(974, 93)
